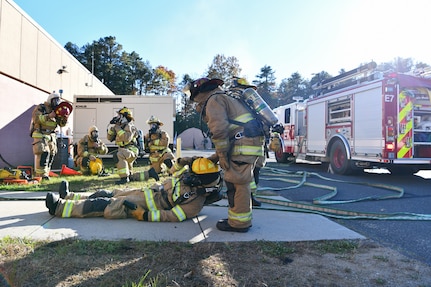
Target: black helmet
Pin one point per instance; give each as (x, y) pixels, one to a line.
(201, 85)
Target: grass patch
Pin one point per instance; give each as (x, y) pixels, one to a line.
(337, 246)
(275, 249)
(129, 263)
(82, 183)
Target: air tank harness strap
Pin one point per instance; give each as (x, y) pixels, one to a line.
(251, 129)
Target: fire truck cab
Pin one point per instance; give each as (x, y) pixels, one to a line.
(361, 119)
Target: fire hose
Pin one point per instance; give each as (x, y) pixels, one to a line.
(320, 204)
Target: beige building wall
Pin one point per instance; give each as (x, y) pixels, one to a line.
(29, 63)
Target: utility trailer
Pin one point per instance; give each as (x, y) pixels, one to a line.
(99, 110)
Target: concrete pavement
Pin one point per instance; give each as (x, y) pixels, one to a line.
(27, 217)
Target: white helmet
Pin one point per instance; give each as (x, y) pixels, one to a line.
(91, 129)
(93, 133)
(53, 99)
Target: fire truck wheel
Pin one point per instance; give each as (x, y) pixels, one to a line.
(339, 162)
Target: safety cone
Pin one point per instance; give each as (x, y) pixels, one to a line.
(52, 174)
(68, 171)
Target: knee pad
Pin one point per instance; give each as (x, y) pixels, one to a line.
(102, 193)
(95, 205)
(44, 159)
(85, 161)
(230, 194)
(168, 163)
(115, 158)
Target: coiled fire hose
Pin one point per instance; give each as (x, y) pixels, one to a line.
(320, 204)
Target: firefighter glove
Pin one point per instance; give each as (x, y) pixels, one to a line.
(275, 144)
(136, 211)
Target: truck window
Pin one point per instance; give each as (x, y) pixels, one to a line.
(287, 116)
(339, 112)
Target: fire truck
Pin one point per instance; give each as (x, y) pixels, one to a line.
(359, 120)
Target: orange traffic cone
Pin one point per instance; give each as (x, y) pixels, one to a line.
(52, 174)
(68, 171)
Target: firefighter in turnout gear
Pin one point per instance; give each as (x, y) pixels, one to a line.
(237, 86)
(88, 150)
(45, 119)
(123, 131)
(177, 199)
(238, 143)
(157, 145)
(275, 143)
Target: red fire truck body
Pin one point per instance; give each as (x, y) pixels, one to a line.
(360, 121)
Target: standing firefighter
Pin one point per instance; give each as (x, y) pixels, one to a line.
(45, 119)
(125, 134)
(157, 144)
(88, 151)
(177, 199)
(239, 85)
(238, 141)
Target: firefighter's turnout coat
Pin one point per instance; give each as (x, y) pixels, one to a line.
(170, 201)
(125, 136)
(44, 144)
(86, 149)
(237, 140)
(157, 143)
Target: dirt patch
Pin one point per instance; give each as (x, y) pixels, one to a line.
(260, 263)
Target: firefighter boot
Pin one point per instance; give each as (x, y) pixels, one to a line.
(153, 174)
(63, 190)
(223, 225)
(51, 202)
(254, 201)
(123, 180)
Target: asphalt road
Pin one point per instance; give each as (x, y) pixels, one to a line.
(409, 237)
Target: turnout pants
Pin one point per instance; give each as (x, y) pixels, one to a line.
(44, 150)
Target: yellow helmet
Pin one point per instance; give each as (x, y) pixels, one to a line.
(125, 112)
(204, 173)
(154, 120)
(95, 166)
(203, 166)
(241, 83)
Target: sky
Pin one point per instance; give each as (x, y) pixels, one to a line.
(304, 36)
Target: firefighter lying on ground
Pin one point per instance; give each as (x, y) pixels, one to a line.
(123, 131)
(177, 199)
(157, 145)
(88, 150)
(45, 119)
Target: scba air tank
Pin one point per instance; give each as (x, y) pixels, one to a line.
(255, 101)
